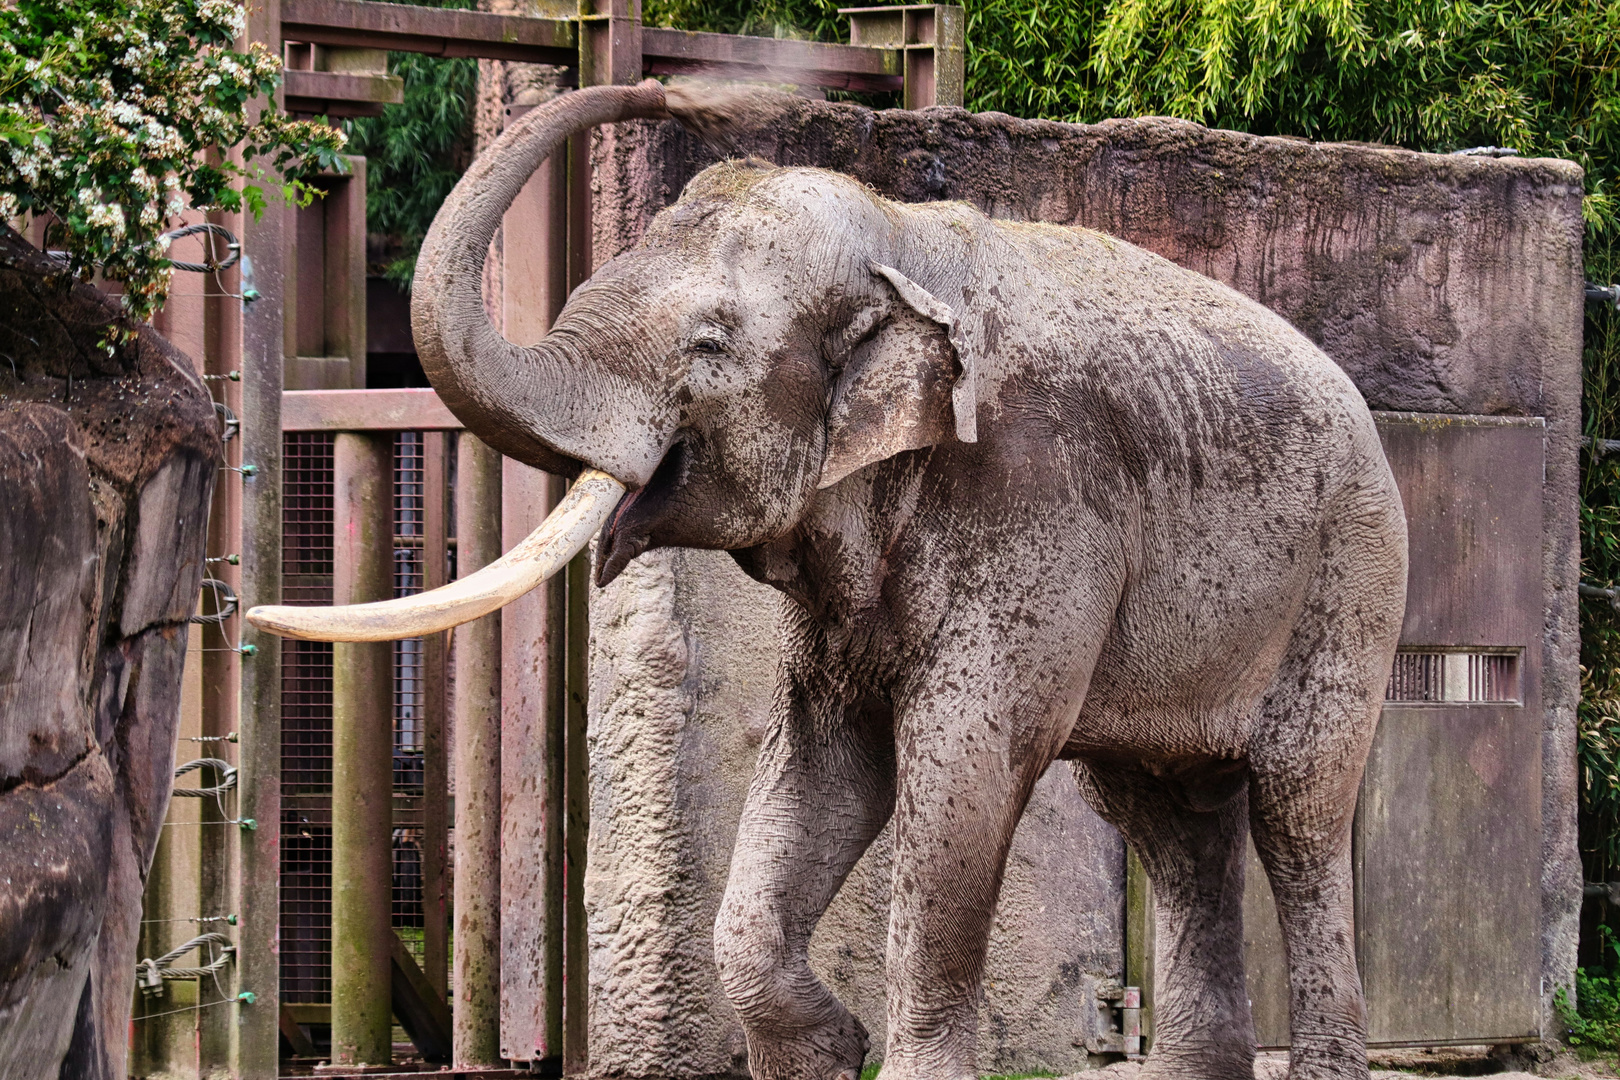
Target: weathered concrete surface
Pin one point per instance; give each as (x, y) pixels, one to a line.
(107, 465)
(1440, 284)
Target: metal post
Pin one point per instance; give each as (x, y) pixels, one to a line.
(362, 755)
(256, 1032)
(221, 665)
(932, 37)
(476, 1036)
(435, 759)
(609, 53)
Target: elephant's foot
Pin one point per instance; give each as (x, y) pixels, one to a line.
(1208, 1062)
(835, 1051)
(1336, 1061)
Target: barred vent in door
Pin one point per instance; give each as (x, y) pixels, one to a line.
(1454, 677)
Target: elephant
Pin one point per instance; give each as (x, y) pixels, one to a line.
(1028, 493)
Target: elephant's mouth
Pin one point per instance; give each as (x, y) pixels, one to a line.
(628, 530)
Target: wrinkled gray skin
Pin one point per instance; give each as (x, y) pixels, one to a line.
(1029, 493)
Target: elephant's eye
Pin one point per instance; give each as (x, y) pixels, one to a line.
(707, 345)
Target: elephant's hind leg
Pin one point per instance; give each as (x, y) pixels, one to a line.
(822, 791)
(1305, 760)
(1202, 1025)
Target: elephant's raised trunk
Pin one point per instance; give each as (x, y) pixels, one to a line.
(530, 403)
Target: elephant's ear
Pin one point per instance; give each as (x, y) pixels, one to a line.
(908, 385)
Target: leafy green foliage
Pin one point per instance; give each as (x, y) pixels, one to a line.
(1538, 76)
(810, 20)
(416, 151)
(113, 118)
(1600, 557)
(1594, 1022)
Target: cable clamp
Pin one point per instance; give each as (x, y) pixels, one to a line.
(225, 602)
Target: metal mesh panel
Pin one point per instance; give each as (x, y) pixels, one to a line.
(306, 724)
(306, 903)
(306, 693)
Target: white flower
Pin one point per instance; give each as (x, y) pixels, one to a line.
(108, 216)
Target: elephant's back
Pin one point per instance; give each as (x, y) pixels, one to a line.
(1210, 437)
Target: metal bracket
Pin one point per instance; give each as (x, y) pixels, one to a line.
(1122, 1005)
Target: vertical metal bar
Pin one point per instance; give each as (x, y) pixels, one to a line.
(609, 53)
(477, 1010)
(344, 313)
(950, 55)
(256, 1033)
(436, 701)
(556, 593)
(933, 39)
(1140, 954)
(221, 665)
(362, 755)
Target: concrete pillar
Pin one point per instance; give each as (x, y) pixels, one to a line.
(477, 1006)
(362, 756)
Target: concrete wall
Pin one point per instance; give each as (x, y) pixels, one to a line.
(1441, 284)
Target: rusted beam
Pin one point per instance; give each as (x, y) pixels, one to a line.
(421, 1009)
(341, 93)
(809, 63)
(435, 31)
(931, 38)
(362, 756)
(556, 40)
(365, 410)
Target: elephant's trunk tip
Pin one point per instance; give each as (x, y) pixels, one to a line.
(718, 112)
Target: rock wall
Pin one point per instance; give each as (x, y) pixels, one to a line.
(1441, 284)
(107, 465)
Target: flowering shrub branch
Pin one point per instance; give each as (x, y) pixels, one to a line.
(117, 115)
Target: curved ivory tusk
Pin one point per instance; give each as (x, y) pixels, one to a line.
(560, 537)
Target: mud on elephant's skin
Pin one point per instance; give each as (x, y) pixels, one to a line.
(1029, 493)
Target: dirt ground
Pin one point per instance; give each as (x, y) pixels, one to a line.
(1444, 1063)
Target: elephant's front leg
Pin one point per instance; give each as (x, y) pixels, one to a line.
(964, 778)
(822, 791)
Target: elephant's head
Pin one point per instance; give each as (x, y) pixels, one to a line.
(760, 343)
